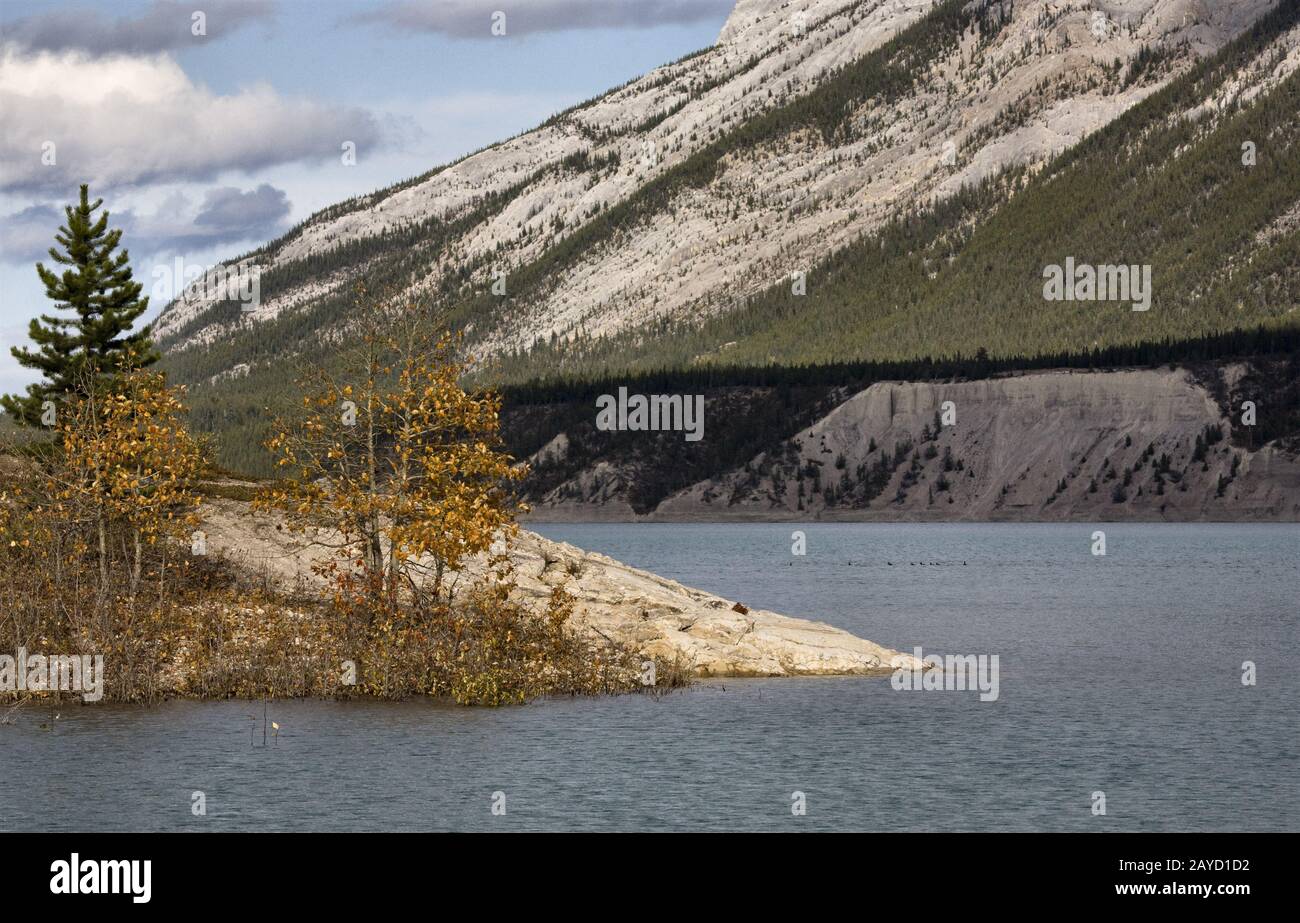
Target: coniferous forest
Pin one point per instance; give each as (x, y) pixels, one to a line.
(933, 288)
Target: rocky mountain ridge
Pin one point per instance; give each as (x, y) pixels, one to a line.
(981, 88)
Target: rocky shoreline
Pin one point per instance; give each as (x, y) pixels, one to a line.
(700, 632)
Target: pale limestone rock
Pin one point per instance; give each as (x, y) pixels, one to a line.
(666, 620)
(705, 252)
(657, 617)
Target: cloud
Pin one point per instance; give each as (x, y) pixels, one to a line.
(474, 18)
(27, 236)
(164, 26)
(71, 118)
(235, 215)
(226, 215)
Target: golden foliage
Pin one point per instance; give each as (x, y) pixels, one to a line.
(88, 558)
(400, 464)
(405, 481)
(398, 468)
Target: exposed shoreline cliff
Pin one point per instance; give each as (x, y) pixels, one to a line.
(1153, 445)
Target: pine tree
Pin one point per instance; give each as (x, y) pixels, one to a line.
(97, 286)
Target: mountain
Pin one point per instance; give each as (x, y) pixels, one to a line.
(833, 181)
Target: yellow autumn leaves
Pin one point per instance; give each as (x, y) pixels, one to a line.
(90, 523)
(400, 470)
(389, 461)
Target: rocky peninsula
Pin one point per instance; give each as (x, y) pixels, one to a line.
(658, 617)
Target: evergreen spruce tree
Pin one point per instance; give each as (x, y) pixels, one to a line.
(98, 289)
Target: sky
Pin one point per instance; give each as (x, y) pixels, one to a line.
(209, 127)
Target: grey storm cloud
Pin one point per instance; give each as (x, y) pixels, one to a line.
(162, 27)
(27, 235)
(241, 215)
(473, 18)
(226, 215)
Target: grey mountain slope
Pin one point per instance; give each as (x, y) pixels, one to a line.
(1038, 85)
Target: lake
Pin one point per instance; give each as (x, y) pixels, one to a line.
(1119, 674)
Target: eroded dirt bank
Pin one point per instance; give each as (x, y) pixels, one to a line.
(1140, 445)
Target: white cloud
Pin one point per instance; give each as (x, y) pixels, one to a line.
(127, 120)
